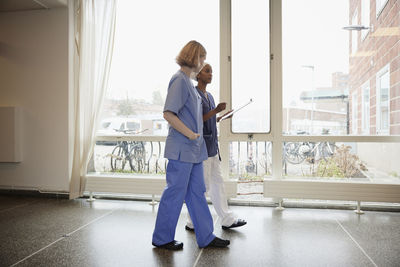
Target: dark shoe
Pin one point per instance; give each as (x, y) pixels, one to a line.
(218, 243)
(188, 228)
(174, 245)
(238, 223)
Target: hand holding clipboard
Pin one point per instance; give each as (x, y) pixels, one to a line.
(233, 111)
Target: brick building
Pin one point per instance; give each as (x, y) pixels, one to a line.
(330, 114)
(374, 73)
(334, 98)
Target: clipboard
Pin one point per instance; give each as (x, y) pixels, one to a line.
(235, 110)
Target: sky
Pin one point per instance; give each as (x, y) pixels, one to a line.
(148, 38)
(312, 35)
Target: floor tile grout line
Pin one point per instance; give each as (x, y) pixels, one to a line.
(359, 246)
(83, 226)
(202, 249)
(27, 257)
(19, 206)
(61, 238)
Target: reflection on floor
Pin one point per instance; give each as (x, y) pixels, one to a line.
(58, 232)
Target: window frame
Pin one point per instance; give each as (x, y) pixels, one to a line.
(265, 133)
(382, 6)
(276, 135)
(365, 127)
(226, 134)
(354, 113)
(354, 34)
(365, 15)
(380, 73)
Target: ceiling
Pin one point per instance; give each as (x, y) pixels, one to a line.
(24, 5)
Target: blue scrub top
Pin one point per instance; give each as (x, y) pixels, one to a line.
(210, 126)
(183, 100)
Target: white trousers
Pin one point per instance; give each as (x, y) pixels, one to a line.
(216, 191)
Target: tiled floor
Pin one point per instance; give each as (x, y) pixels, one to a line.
(58, 232)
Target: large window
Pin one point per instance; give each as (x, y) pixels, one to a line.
(315, 67)
(250, 66)
(336, 89)
(324, 106)
(149, 36)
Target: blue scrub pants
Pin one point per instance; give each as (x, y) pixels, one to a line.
(185, 181)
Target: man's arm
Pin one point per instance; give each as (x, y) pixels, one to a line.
(179, 125)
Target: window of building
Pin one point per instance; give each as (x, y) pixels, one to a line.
(365, 108)
(354, 113)
(380, 5)
(354, 34)
(382, 101)
(365, 13)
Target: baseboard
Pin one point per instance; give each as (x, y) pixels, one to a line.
(34, 193)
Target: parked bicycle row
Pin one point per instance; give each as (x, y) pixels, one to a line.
(135, 156)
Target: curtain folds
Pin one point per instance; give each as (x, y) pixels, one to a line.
(94, 39)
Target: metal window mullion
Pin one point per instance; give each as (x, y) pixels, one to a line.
(276, 86)
(225, 82)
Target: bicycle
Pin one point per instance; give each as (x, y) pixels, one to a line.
(297, 152)
(128, 151)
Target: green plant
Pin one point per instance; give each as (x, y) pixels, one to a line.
(343, 164)
(250, 177)
(329, 168)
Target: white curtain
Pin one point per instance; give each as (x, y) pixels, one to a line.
(94, 35)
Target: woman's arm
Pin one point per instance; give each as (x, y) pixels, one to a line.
(179, 125)
(219, 118)
(218, 109)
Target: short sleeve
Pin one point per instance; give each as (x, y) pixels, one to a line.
(177, 95)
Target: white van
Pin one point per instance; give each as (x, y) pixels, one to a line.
(118, 126)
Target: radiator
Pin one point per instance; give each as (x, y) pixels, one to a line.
(332, 190)
(153, 185)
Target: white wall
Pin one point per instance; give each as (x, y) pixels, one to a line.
(34, 75)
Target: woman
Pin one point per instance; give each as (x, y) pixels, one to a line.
(212, 166)
(185, 150)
